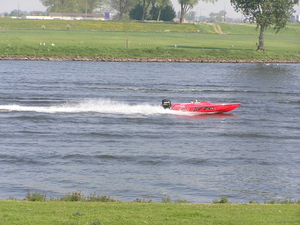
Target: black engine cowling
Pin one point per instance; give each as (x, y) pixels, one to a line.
(166, 103)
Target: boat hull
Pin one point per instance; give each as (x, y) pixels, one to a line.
(205, 107)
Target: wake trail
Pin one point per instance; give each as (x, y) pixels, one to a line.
(92, 106)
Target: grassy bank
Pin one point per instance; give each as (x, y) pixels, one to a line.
(36, 213)
(166, 40)
(98, 26)
(79, 209)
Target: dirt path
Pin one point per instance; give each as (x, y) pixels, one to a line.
(218, 29)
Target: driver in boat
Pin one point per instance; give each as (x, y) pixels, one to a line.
(195, 101)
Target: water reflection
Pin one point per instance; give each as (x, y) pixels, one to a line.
(207, 116)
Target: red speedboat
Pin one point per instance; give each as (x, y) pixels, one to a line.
(200, 107)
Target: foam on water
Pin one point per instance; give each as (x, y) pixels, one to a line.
(93, 106)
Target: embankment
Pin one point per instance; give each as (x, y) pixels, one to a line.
(146, 59)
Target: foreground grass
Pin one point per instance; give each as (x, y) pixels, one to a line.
(116, 39)
(76, 208)
(53, 212)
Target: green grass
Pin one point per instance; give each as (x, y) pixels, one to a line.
(108, 39)
(246, 28)
(76, 208)
(52, 212)
(90, 25)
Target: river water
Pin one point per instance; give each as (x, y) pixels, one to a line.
(99, 127)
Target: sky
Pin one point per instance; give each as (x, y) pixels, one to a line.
(203, 9)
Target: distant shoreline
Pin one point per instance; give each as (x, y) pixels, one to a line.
(145, 59)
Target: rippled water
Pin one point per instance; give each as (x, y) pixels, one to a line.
(99, 127)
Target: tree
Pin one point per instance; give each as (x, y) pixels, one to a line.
(137, 12)
(15, 13)
(168, 13)
(154, 11)
(71, 6)
(266, 13)
(37, 13)
(190, 16)
(186, 5)
(146, 4)
(217, 17)
(60, 6)
(87, 6)
(161, 4)
(122, 6)
(161, 10)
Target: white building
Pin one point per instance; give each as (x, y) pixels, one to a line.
(68, 16)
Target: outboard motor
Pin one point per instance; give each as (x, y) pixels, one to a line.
(166, 103)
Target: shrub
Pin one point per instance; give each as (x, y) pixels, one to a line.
(166, 199)
(222, 200)
(139, 200)
(286, 201)
(99, 198)
(12, 198)
(252, 202)
(78, 196)
(35, 197)
(181, 201)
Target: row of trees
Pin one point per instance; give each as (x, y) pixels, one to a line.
(19, 13)
(16, 13)
(123, 8)
(156, 13)
(165, 14)
(213, 17)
